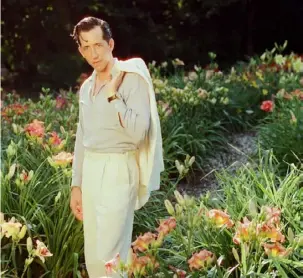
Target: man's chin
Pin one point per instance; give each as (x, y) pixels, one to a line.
(99, 67)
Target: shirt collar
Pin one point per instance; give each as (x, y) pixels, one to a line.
(93, 75)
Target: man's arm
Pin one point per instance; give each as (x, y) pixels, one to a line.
(134, 111)
(78, 152)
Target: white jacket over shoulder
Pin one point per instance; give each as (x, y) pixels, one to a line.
(150, 155)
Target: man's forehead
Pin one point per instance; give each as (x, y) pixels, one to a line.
(88, 40)
(92, 36)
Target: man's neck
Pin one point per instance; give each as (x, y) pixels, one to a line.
(105, 75)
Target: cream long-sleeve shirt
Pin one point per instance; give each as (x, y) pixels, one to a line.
(99, 128)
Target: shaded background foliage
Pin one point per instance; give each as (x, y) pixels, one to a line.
(38, 51)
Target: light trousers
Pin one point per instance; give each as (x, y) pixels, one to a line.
(110, 184)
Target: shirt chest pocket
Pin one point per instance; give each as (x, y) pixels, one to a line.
(99, 114)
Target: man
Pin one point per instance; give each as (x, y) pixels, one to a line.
(114, 119)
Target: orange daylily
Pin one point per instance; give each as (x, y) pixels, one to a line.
(55, 139)
(201, 260)
(140, 265)
(143, 241)
(275, 250)
(270, 232)
(220, 218)
(298, 93)
(13, 109)
(63, 158)
(267, 106)
(167, 226)
(245, 231)
(272, 215)
(36, 128)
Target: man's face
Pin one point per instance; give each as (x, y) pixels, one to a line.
(96, 51)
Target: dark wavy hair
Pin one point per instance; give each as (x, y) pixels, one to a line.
(87, 24)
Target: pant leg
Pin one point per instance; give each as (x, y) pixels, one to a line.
(109, 191)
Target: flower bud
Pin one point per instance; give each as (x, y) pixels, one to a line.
(191, 161)
(169, 207)
(22, 232)
(29, 245)
(11, 150)
(179, 197)
(11, 172)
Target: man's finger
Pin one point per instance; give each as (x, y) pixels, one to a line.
(79, 216)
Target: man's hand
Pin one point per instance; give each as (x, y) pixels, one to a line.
(115, 83)
(76, 202)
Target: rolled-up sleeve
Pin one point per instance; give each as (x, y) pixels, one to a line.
(133, 106)
(78, 153)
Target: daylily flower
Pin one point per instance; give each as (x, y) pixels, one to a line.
(201, 260)
(272, 215)
(298, 93)
(61, 159)
(42, 251)
(143, 241)
(209, 74)
(270, 232)
(36, 128)
(220, 218)
(192, 75)
(280, 60)
(60, 102)
(244, 232)
(167, 226)
(159, 83)
(275, 250)
(140, 265)
(287, 96)
(13, 109)
(13, 229)
(26, 177)
(297, 65)
(55, 139)
(202, 93)
(165, 108)
(112, 265)
(267, 106)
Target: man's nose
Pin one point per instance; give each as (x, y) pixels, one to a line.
(94, 53)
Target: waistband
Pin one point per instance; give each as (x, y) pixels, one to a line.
(89, 152)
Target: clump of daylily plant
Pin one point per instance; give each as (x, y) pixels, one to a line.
(259, 236)
(14, 230)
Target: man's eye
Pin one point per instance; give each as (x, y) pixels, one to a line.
(99, 44)
(85, 47)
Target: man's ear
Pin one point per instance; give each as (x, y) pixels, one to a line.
(111, 44)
